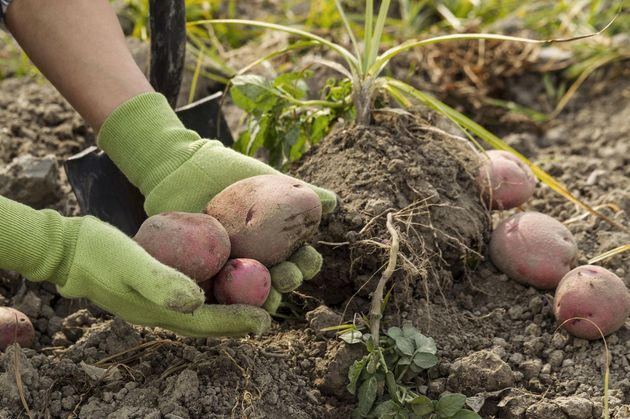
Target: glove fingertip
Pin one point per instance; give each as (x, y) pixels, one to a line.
(328, 198)
(286, 276)
(272, 303)
(308, 260)
(185, 301)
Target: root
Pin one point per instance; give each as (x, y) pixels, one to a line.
(377, 298)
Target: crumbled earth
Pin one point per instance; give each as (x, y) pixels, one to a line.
(497, 340)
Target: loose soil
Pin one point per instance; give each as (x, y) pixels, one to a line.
(497, 340)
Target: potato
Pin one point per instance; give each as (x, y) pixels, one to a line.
(242, 281)
(506, 182)
(593, 293)
(533, 248)
(267, 217)
(197, 245)
(15, 326)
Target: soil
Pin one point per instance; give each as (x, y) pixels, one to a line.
(497, 340)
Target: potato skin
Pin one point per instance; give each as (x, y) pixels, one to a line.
(533, 249)
(267, 217)
(505, 181)
(15, 326)
(593, 293)
(242, 281)
(197, 245)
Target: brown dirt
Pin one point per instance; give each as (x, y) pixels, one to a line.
(497, 340)
(404, 165)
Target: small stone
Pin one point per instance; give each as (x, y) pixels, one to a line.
(545, 409)
(499, 342)
(480, 371)
(533, 346)
(533, 329)
(516, 358)
(437, 386)
(545, 370)
(31, 305)
(559, 340)
(531, 368)
(323, 317)
(555, 358)
(31, 180)
(575, 407)
(515, 312)
(535, 304)
(67, 403)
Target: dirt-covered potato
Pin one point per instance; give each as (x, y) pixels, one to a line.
(242, 281)
(506, 182)
(195, 244)
(267, 217)
(593, 293)
(15, 326)
(533, 248)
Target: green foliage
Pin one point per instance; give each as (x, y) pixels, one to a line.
(383, 379)
(281, 118)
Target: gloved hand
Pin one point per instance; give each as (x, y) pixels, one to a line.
(176, 170)
(87, 258)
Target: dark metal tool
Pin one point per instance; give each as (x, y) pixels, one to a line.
(101, 189)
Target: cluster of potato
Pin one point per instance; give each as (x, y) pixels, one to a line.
(249, 227)
(535, 249)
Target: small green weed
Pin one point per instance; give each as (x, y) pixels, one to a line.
(383, 379)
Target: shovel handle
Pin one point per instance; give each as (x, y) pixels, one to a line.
(167, 22)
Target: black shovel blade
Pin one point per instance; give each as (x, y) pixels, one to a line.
(104, 192)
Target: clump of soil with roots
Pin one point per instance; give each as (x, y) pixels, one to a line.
(425, 177)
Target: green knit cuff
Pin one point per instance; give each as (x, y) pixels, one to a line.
(37, 244)
(146, 140)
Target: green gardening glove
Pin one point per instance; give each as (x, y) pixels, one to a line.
(87, 258)
(176, 170)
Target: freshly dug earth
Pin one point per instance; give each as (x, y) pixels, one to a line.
(426, 177)
(497, 339)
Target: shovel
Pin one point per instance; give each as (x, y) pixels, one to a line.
(101, 189)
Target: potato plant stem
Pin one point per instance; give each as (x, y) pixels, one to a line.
(377, 297)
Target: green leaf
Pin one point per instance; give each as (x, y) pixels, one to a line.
(425, 360)
(351, 337)
(392, 386)
(422, 405)
(387, 409)
(466, 414)
(409, 331)
(405, 345)
(404, 360)
(372, 363)
(367, 395)
(450, 404)
(254, 94)
(394, 332)
(425, 344)
(354, 372)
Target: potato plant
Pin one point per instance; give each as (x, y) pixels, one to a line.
(281, 111)
(383, 379)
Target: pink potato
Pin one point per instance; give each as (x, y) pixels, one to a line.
(15, 326)
(593, 293)
(195, 244)
(242, 281)
(267, 217)
(533, 248)
(506, 182)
